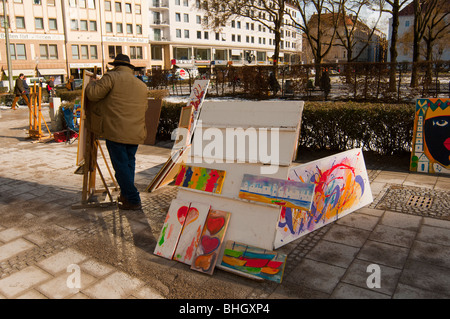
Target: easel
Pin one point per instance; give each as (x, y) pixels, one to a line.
(35, 116)
(90, 166)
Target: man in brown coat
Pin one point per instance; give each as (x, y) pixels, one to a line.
(116, 111)
(19, 91)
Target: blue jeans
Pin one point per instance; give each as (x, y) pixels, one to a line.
(123, 159)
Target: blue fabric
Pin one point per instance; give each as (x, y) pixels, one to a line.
(68, 117)
(123, 159)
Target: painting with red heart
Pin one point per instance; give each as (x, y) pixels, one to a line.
(171, 230)
(211, 240)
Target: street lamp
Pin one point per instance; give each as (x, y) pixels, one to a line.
(8, 53)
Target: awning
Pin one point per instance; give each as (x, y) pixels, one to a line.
(52, 71)
(29, 72)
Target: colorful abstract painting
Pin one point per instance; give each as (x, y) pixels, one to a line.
(205, 179)
(195, 100)
(192, 230)
(276, 191)
(254, 261)
(341, 187)
(211, 240)
(431, 140)
(171, 230)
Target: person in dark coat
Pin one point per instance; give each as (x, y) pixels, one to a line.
(26, 87)
(325, 83)
(19, 91)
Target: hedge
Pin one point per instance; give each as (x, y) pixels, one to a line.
(385, 129)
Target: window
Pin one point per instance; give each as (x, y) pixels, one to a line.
(206, 35)
(137, 8)
(91, 4)
(53, 51)
(82, 3)
(74, 25)
(157, 52)
(177, 17)
(407, 23)
(107, 5)
(52, 24)
(17, 51)
(198, 19)
(39, 23)
(186, 3)
(109, 27)
(186, 34)
(199, 34)
(84, 52)
(118, 7)
(20, 22)
(129, 28)
(138, 28)
(51, 3)
(75, 52)
(38, 2)
(178, 33)
(128, 7)
(48, 51)
(83, 25)
(114, 50)
(92, 25)
(119, 28)
(135, 52)
(177, 2)
(186, 17)
(94, 54)
(73, 3)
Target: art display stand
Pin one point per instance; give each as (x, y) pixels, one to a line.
(252, 223)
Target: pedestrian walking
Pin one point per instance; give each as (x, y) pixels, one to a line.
(26, 87)
(19, 91)
(51, 87)
(116, 111)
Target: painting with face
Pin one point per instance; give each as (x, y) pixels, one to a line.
(431, 143)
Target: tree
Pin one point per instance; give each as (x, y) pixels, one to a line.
(269, 13)
(423, 11)
(395, 7)
(350, 22)
(319, 19)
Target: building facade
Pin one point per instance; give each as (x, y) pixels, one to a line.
(64, 37)
(178, 37)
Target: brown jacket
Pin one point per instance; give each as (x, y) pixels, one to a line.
(117, 106)
(19, 89)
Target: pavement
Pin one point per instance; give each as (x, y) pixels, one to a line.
(402, 238)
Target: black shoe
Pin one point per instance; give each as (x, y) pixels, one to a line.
(127, 206)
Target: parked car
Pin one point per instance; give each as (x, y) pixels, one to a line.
(78, 84)
(32, 80)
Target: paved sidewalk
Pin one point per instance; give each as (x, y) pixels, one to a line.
(44, 242)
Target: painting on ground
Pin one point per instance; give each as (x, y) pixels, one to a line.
(190, 234)
(431, 139)
(277, 191)
(250, 260)
(341, 187)
(205, 179)
(211, 240)
(171, 230)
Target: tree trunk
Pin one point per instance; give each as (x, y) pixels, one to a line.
(393, 48)
(414, 77)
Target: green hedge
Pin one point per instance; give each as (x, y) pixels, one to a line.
(385, 129)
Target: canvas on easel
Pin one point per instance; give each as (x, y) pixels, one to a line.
(87, 156)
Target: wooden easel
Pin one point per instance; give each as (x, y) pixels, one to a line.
(35, 116)
(90, 165)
